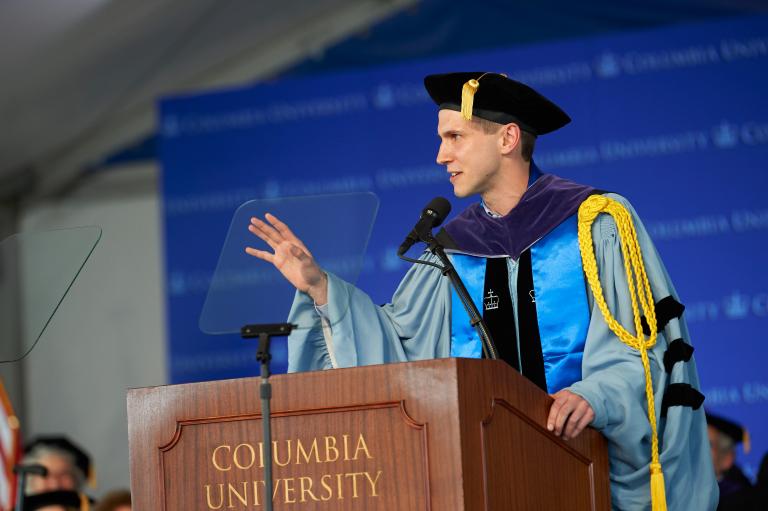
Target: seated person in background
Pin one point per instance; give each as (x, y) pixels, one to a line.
(724, 436)
(69, 468)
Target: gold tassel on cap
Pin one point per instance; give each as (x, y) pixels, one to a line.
(745, 440)
(468, 92)
(468, 98)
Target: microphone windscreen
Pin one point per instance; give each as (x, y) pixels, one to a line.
(438, 208)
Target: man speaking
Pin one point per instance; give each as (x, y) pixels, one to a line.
(568, 282)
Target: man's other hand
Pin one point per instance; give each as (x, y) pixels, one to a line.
(569, 415)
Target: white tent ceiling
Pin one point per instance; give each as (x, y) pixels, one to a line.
(80, 77)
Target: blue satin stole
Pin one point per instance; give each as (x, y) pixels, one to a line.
(561, 304)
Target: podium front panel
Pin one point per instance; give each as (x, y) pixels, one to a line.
(530, 460)
(368, 457)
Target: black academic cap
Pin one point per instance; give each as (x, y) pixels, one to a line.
(729, 428)
(82, 460)
(498, 99)
(53, 498)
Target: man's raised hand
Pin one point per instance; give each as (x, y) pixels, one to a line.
(290, 256)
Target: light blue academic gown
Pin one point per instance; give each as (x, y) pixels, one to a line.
(354, 331)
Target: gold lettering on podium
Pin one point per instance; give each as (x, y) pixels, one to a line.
(328, 490)
(301, 488)
(361, 446)
(292, 490)
(276, 453)
(373, 482)
(288, 494)
(306, 484)
(208, 496)
(301, 452)
(330, 446)
(250, 457)
(338, 486)
(244, 456)
(243, 498)
(215, 463)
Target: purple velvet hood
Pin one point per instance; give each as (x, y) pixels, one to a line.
(547, 202)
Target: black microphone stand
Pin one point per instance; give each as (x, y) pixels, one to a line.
(475, 319)
(263, 355)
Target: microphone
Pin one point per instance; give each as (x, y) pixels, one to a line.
(432, 216)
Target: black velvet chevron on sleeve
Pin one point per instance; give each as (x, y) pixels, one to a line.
(681, 394)
(677, 351)
(666, 309)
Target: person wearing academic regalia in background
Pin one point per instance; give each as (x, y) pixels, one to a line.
(69, 469)
(724, 436)
(736, 490)
(547, 261)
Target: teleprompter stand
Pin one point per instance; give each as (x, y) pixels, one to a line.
(264, 356)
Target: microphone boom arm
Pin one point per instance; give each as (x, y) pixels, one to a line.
(475, 319)
(432, 216)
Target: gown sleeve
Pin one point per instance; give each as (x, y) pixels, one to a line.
(613, 383)
(353, 331)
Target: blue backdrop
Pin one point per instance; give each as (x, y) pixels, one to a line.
(675, 119)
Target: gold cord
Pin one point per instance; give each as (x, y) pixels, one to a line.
(639, 291)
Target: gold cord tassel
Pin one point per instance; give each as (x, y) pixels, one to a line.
(468, 98)
(658, 492)
(640, 297)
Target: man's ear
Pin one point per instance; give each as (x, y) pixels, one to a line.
(510, 138)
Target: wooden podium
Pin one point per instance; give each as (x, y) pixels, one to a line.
(441, 435)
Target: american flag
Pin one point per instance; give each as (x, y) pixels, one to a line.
(10, 450)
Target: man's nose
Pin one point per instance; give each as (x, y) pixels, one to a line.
(442, 155)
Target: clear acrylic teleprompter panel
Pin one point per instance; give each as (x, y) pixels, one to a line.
(246, 290)
(37, 270)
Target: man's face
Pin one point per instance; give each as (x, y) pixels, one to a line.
(61, 476)
(471, 156)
